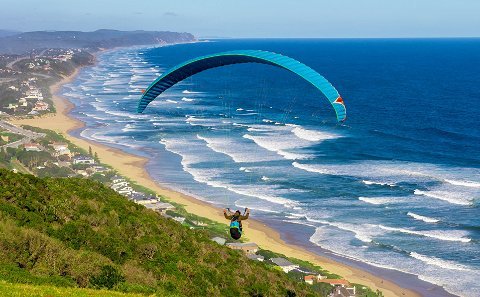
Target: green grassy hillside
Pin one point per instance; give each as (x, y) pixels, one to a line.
(23, 290)
(79, 233)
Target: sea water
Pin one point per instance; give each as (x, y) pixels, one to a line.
(396, 186)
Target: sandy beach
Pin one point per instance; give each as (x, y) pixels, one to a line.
(133, 167)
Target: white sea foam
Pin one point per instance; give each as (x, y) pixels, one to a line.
(248, 114)
(445, 196)
(464, 183)
(187, 99)
(381, 200)
(189, 92)
(194, 121)
(441, 235)
(191, 154)
(311, 135)
(171, 101)
(439, 262)
(254, 129)
(239, 152)
(245, 169)
(276, 145)
(369, 182)
(458, 191)
(362, 232)
(310, 168)
(264, 178)
(422, 218)
(240, 109)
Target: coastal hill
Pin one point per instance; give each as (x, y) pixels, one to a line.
(71, 232)
(4, 33)
(101, 39)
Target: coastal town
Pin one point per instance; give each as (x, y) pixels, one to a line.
(25, 79)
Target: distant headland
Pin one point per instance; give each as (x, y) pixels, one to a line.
(23, 42)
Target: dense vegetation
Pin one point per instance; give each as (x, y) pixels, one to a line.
(79, 233)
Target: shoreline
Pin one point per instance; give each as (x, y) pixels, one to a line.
(133, 167)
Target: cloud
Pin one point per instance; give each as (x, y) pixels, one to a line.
(170, 13)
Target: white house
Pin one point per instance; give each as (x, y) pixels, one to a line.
(179, 219)
(249, 248)
(284, 264)
(32, 147)
(158, 206)
(310, 279)
(256, 257)
(117, 179)
(119, 185)
(59, 146)
(83, 160)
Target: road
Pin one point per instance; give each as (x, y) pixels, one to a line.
(10, 65)
(28, 135)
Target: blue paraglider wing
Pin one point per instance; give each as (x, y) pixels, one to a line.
(199, 64)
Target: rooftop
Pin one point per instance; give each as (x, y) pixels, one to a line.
(281, 262)
(240, 244)
(335, 281)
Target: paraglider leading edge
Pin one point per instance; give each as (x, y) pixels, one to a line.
(199, 64)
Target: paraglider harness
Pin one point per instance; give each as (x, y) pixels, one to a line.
(236, 226)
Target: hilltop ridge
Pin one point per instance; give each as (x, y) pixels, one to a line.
(100, 39)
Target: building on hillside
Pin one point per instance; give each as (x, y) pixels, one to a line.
(32, 147)
(335, 282)
(219, 240)
(284, 264)
(248, 248)
(117, 179)
(159, 206)
(12, 106)
(119, 185)
(339, 291)
(125, 190)
(81, 172)
(40, 105)
(80, 159)
(310, 279)
(100, 169)
(181, 220)
(66, 152)
(147, 201)
(256, 257)
(59, 146)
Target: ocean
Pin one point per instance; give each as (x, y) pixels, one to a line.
(397, 186)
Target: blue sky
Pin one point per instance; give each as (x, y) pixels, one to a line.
(261, 18)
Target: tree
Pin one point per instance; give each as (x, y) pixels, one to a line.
(108, 278)
(3, 155)
(96, 158)
(90, 152)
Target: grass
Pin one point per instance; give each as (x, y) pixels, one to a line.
(23, 290)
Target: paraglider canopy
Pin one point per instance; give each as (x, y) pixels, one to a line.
(199, 64)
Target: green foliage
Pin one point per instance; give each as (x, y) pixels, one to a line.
(108, 278)
(12, 137)
(71, 229)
